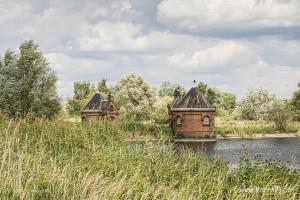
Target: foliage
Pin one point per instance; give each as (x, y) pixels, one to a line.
(60, 160)
(280, 113)
(102, 88)
(223, 101)
(256, 105)
(211, 94)
(226, 104)
(295, 102)
(167, 88)
(83, 91)
(161, 113)
(27, 84)
(227, 101)
(134, 96)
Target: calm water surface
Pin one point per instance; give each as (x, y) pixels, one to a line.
(286, 150)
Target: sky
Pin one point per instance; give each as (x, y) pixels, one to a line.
(234, 45)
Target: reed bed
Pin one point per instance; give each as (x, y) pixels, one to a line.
(62, 160)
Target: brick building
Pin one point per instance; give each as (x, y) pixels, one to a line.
(99, 108)
(191, 116)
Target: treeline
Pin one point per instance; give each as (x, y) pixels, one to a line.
(28, 88)
(138, 100)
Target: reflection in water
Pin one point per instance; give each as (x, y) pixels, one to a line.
(286, 150)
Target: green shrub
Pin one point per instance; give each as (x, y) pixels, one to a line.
(280, 113)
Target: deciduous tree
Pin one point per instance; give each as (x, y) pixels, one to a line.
(102, 88)
(280, 113)
(83, 91)
(296, 103)
(27, 84)
(161, 113)
(167, 89)
(134, 96)
(256, 105)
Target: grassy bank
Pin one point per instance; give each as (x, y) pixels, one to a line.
(250, 128)
(61, 160)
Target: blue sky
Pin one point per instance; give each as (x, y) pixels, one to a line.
(232, 45)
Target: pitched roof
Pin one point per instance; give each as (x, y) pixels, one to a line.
(194, 99)
(96, 103)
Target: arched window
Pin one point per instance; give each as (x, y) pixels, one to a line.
(206, 121)
(178, 121)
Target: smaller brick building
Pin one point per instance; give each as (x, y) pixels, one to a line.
(99, 108)
(191, 116)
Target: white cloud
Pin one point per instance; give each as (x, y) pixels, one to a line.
(71, 69)
(280, 80)
(225, 54)
(108, 36)
(277, 51)
(74, 67)
(201, 15)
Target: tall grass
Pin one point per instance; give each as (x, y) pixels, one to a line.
(61, 160)
(140, 129)
(248, 127)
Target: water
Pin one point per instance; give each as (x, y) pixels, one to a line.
(286, 150)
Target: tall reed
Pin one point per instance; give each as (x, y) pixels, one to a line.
(61, 160)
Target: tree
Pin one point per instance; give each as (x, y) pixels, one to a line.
(83, 91)
(226, 104)
(167, 89)
(9, 84)
(102, 88)
(221, 100)
(27, 84)
(134, 96)
(227, 101)
(211, 94)
(161, 113)
(256, 105)
(280, 113)
(295, 102)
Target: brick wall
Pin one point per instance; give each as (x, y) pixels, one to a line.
(192, 123)
(95, 116)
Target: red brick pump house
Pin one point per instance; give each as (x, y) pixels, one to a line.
(191, 116)
(99, 108)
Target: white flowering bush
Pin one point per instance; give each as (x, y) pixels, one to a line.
(134, 96)
(256, 105)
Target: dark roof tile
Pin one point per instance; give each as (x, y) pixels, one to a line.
(96, 103)
(193, 99)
